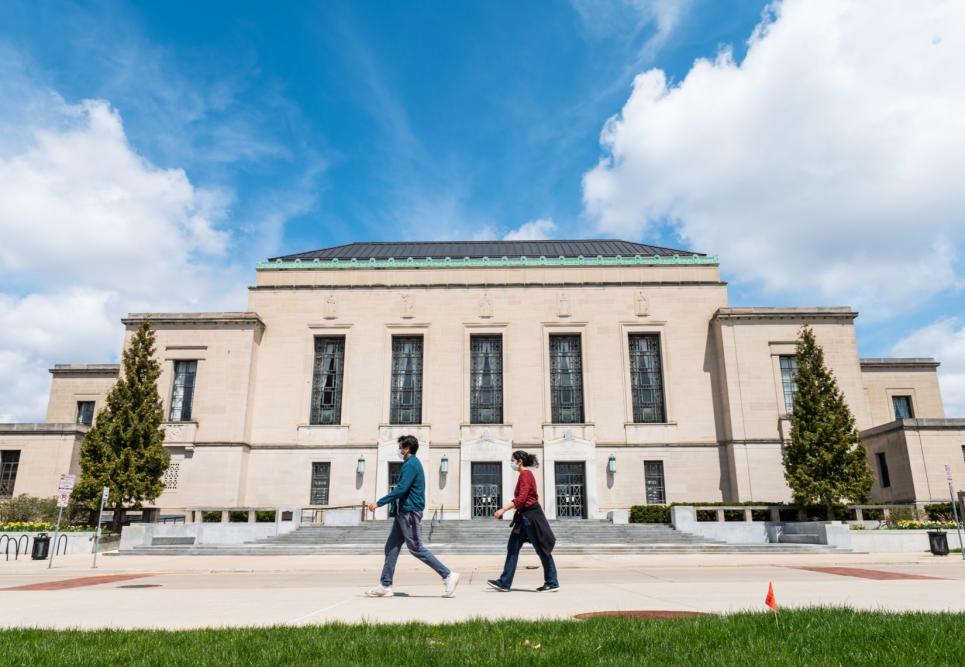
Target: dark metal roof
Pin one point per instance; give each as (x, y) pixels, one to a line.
(492, 249)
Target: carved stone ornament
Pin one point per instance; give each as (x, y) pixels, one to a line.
(331, 307)
(640, 304)
(563, 305)
(408, 306)
(486, 305)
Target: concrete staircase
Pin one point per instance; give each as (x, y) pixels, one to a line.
(484, 537)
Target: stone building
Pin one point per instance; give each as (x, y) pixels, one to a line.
(620, 365)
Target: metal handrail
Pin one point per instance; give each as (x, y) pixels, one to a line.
(318, 509)
(435, 520)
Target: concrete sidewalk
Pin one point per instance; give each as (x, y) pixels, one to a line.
(190, 592)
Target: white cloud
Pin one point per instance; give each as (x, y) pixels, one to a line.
(945, 341)
(603, 19)
(534, 230)
(92, 230)
(825, 165)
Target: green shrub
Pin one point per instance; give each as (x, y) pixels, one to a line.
(265, 516)
(238, 516)
(706, 515)
(940, 512)
(28, 508)
(211, 517)
(650, 514)
(904, 513)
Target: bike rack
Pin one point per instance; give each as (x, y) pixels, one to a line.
(6, 550)
(62, 536)
(26, 546)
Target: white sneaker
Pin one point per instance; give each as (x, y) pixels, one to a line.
(379, 591)
(450, 583)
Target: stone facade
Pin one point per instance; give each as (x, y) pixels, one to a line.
(250, 441)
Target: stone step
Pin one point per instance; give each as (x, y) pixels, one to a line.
(799, 538)
(443, 549)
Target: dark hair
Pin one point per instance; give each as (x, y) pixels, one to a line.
(409, 442)
(528, 460)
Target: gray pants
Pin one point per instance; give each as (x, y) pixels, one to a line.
(406, 529)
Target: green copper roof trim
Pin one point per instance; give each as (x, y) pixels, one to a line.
(490, 262)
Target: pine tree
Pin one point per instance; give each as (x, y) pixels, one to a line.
(124, 449)
(825, 462)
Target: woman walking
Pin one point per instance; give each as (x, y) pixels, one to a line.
(529, 525)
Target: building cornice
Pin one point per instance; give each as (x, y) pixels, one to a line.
(492, 285)
(85, 370)
(921, 424)
(842, 313)
(42, 429)
(901, 364)
(485, 262)
(195, 319)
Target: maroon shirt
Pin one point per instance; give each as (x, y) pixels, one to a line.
(525, 494)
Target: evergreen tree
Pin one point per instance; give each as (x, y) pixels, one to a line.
(124, 450)
(825, 462)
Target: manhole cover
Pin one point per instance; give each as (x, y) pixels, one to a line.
(659, 614)
(140, 586)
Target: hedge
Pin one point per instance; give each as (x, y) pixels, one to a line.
(705, 512)
(940, 511)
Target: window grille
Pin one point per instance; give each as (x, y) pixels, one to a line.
(327, 380)
(486, 379)
(566, 379)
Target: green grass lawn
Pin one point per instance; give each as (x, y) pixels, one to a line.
(808, 637)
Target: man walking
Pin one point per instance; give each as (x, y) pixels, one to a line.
(409, 496)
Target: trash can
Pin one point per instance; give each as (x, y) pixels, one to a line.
(938, 541)
(41, 547)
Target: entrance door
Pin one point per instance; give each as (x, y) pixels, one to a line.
(487, 489)
(395, 472)
(570, 490)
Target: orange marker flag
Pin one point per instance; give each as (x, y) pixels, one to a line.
(770, 600)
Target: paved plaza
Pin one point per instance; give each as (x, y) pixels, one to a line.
(192, 591)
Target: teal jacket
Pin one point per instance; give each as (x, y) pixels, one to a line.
(411, 489)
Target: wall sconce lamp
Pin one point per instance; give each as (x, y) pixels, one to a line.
(611, 464)
(444, 465)
(360, 466)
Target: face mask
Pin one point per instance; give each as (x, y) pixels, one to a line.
(514, 465)
(400, 454)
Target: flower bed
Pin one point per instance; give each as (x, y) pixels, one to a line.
(906, 524)
(40, 527)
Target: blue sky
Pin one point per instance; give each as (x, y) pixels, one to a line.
(243, 130)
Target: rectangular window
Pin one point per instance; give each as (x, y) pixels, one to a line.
(653, 473)
(566, 379)
(486, 379)
(9, 463)
(963, 451)
(321, 476)
(182, 397)
(902, 405)
(646, 378)
(327, 380)
(883, 470)
(85, 413)
(406, 403)
(788, 381)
